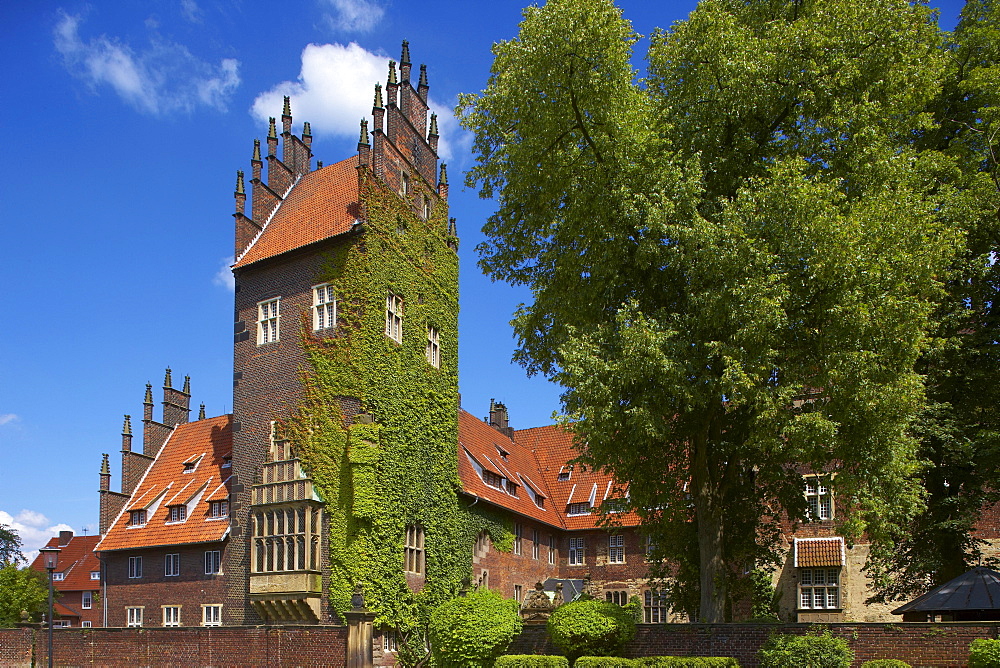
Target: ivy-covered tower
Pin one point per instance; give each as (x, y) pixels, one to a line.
(346, 373)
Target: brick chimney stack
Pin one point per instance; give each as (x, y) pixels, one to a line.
(499, 420)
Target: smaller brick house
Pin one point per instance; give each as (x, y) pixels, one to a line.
(77, 578)
(165, 540)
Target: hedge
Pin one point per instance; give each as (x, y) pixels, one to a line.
(984, 653)
(531, 661)
(885, 663)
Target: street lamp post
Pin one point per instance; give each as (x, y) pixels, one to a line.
(50, 557)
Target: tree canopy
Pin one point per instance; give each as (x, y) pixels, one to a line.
(736, 261)
(21, 589)
(10, 546)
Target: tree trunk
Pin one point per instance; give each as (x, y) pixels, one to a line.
(708, 515)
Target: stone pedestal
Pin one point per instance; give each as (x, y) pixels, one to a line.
(359, 638)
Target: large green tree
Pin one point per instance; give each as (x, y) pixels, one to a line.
(10, 546)
(21, 589)
(734, 262)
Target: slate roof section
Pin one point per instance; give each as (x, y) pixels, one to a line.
(321, 205)
(208, 442)
(76, 561)
(819, 552)
(979, 589)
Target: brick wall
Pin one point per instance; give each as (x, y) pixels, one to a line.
(233, 646)
(15, 647)
(923, 645)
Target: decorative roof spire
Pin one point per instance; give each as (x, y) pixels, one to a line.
(392, 72)
(239, 182)
(272, 133)
(127, 426)
(444, 174)
(405, 58)
(256, 150)
(287, 109)
(319, 164)
(378, 97)
(434, 126)
(105, 467)
(306, 129)
(149, 394)
(187, 385)
(363, 139)
(167, 380)
(423, 76)
(201, 412)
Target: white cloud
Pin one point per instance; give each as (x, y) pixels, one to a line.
(33, 528)
(191, 11)
(6, 418)
(335, 90)
(224, 276)
(354, 15)
(164, 77)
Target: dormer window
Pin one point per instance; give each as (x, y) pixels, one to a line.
(137, 518)
(188, 467)
(177, 513)
(58, 576)
(492, 479)
(581, 508)
(503, 453)
(218, 509)
(564, 473)
(227, 461)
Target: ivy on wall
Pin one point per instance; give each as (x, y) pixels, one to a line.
(400, 470)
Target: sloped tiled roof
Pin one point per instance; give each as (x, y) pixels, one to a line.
(208, 443)
(76, 560)
(819, 552)
(322, 204)
(535, 457)
(978, 589)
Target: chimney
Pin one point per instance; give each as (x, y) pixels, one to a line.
(65, 537)
(499, 419)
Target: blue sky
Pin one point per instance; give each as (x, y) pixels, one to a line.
(123, 126)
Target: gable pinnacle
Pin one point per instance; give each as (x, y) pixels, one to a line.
(201, 412)
(363, 139)
(105, 467)
(187, 385)
(287, 110)
(306, 129)
(167, 380)
(256, 150)
(423, 76)
(392, 72)
(378, 97)
(405, 58)
(127, 426)
(434, 126)
(272, 133)
(239, 182)
(444, 174)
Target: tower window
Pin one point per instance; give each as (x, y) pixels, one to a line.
(394, 317)
(268, 318)
(324, 307)
(414, 550)
(426, 211)
(433, 347)
(404, 184)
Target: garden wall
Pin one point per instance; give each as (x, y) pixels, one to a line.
(15, 647)
(922, 645)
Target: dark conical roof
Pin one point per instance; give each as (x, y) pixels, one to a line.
(979, 589)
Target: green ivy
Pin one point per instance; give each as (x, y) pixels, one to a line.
(376, 479)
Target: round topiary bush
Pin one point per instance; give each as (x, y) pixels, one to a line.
(815, 650)
(984, 653)
(472, 631)
(591, 628)
(885, 663)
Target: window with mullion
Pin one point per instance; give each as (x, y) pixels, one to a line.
(324, 307)
(268, 321)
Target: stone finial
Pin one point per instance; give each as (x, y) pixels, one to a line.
(306, 129)
(167, 380)
(444, 175)
(256, 150)
(105, 467)
(319, 164)
(187, 385)
(272, 131)
(392, 72)
(201, 412)
(433, 132)
(363, 139)
(287, 109)
(239, 182)
(126, 427)
(378, 97)
(423, 76)
(149, 394)
(405, 58)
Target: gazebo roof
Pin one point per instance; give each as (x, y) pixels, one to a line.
(979, 589)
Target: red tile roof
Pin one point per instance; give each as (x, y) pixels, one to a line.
(535, 457)
(207, 443)
(76, 561)
(818, 552)
(322, 204)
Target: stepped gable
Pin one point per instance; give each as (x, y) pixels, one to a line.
(191, 469)
(76, 561)
(552, 446)
(322, 204)
(479, 444)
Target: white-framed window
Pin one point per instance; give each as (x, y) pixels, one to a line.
(177, 513)
(819, 497)
(616, 549)
(213, 562)
(394, 317)
(211, 615)
(172, 564)
(654, 607)
(137, 518)
(135, 567)
(426, 210)
(86, 624)
(218, 509)
(617, 596)
(518, 533)
(819, 588)
(519, 593)
(433, 347)
(56, 577)
(552, 549)
(576, 556)
(536, 546)
(87, 600)
(95, 575)
(650, 547)
(171, 615)
(61, 624)
(268, 320)
(580, 508)
(390, 641)
(414, 549)
(133, 616)
(404, 184)
(324, 307)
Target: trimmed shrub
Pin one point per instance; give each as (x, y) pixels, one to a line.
(885, 663)
(591, 628)
(472, 631)
(984, 653)
(531, 661)
(687, 662)
(813, 650)
(603, 662)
